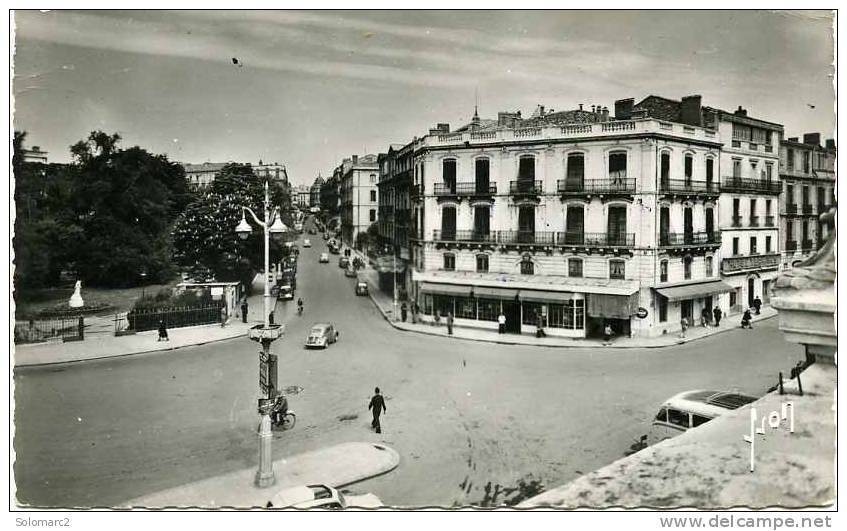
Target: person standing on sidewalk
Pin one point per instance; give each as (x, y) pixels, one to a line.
(403, 311)
(163, 330)
(377, 406)
(747, 319)
(223, 316)
(718, 314)
(450, 323)
(757, 304)
(501, 323)
(683, 326)
(244, 311)
(607, 334)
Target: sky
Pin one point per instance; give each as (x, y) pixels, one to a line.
(313, 87)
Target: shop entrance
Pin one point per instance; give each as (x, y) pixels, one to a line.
(751, 291)
(687, 309)
(512, 311)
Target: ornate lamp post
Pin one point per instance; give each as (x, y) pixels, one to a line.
(265, 334)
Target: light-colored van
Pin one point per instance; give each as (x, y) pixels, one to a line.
(691, 409)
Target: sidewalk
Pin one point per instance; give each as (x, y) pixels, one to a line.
(104, 345)
(385, 304)
(336, 466)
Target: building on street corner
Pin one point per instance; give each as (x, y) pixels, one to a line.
(359, 196)
(807, 170)
(570, 219)
(394, 215)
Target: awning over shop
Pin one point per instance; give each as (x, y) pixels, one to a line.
(547, 296)
(446, 289)
(612, 306)
(692, 291)
(484, 292)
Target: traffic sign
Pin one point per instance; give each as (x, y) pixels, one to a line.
(641, 313)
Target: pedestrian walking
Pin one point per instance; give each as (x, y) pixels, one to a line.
(757, 303)
(501, 323)
(416, 313)
(718, 314)
(450, 323)
(539, 325)
(683, 326)
(607, 334)
(223, 316)
(705, 317)
(244, 309)
(437, 318)
(747, 319)
(403, 311)
(377, 407)
(163, 331)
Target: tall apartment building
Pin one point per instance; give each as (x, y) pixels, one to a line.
(202, 175)
(331, 199)
(394, 216)
(315, 191)
(300, 195)
(359, 196)
(574, 218)
(807, 170)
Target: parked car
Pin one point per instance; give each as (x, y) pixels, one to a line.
(324, 258)
(307, 243)
(285, 293)
(361, 288)
(691, 409)
(343, 261)
(321, 335)
(350, 272)
(320, 497)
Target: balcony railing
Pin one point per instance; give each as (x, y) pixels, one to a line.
(790, 208)
(761, 186)
(464, 189)
(791, 245)
(525, 187)
(577, 239)
(736, 221)
(416, 190)
(684, 186)
(808, 209)
(595, 186)
(754, 221)
(684, 239)
(808, 245)
(735, 264)
(768, 221)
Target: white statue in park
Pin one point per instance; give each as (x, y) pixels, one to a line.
(76, 298)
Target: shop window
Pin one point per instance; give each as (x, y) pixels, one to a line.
(530, 313)
(443, 304)
(574, 267)
(482, 263)
(663, 271)
(570, 315)
(449, 262)
(663, 309)
(487, 309)
(465, 308)
(617, 269)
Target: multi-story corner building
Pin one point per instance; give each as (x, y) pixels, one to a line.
(300, 196)
(315, 192)
(273, 172)
(747, 174)
(574, 219)
(359, 196)
(202, 175)
(749, 202)
(394, 217)
(807, 171)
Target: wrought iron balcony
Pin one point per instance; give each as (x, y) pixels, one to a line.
(416, 190)
(689, 239)
(525, 236)
(506, 237)
(464, 189)
(685, 186)
(791, 245)
(768, 221)
(737, 264)
(808, 209)
(757, 186)
(525, 187)
(577, 187)
(790, 208)
(595, 239)
(754, 221)
(464, 236)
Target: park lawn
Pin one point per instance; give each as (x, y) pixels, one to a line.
(114, 299)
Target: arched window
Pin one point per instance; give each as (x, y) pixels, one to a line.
(527, 267)
(448, 174)
(575, 172)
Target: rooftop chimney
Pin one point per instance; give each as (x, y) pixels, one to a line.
(604, 116)
(830, 143)
(741, 111)
(812, 139)
(444, 128)
(355, 159)
(592, 109)
(580, 106)
(689, 110)
(623, 108)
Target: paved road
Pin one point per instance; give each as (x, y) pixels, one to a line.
(462, 415)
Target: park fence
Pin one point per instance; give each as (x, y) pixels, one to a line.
(139, 320)
(53, 328)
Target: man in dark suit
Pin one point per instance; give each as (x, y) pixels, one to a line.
(377, 406)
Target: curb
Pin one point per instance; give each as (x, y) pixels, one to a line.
(125, 354)
(679, 341)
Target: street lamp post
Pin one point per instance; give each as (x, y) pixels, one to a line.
(265, 334)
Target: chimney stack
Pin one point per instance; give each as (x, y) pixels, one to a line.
(592, 109)
(689, 110)
(355, 159)
(792, 139)
(605, 115)
(740, 111)
(623, 108)
(830, 143)
(580, 106)
(812, 139)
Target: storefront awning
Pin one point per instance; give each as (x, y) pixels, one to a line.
(446, 289)
(612, 306)
(692, 291)
(546, 296)
(484, 292)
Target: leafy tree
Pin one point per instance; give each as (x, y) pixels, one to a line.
(204, 240)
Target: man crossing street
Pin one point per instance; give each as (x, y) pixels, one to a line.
(377, 406)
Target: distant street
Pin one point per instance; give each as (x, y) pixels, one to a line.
(461, 414)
